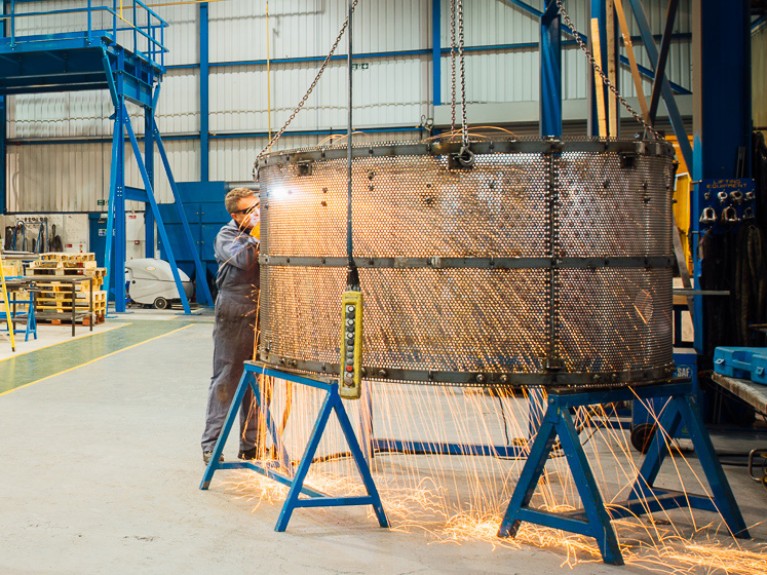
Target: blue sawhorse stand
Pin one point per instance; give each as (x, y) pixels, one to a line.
(282, 470)
(594, 520)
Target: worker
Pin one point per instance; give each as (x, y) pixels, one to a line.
(237, 250)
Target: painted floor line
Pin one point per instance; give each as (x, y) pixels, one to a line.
(18, 353)
(94, 360)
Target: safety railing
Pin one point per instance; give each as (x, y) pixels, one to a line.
(129, 23)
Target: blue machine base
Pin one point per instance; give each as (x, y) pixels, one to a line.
(282, 470)
(594, 519)
(742, 363)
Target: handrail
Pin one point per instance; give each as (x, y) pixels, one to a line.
(148, 36)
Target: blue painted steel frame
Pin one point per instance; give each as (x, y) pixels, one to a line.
(668, 97)
(130, 75)
(594, 519)
(436, 51)
(204, 93)
(282, 470)
(551, 72)
(203, 291)
(723, 117)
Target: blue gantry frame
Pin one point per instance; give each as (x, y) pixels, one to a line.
(120, 47)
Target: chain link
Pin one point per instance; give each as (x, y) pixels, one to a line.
(581, 44)
(452, 65)
(461, 62)
(313, 85)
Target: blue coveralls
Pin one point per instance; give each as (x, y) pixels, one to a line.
(233, 333)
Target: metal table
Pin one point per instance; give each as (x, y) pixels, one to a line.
(41, 280)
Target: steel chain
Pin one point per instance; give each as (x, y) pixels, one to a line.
(452, 65)
(311, 87)
(464, 124)
(598, 69)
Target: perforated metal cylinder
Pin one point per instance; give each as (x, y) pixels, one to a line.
(546, 263)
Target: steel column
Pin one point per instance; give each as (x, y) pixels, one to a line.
(721, 113)
(204, 93)
(551, 72)
(3, 155)
(436, 51)
(3, 132)
(149, 145)
(118, 205)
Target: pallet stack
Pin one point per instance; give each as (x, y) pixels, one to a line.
(12, 268)
(55, 298)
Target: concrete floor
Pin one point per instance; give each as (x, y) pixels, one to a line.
(101, 466)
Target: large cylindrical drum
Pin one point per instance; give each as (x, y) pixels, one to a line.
(537, 263)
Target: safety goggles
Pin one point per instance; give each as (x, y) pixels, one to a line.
(249, 210)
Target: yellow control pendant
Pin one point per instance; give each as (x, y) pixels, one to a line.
(351, 345)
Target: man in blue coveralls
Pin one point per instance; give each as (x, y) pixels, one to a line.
(237, 250)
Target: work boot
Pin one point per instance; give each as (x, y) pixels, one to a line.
(206, 455)
(247, 454)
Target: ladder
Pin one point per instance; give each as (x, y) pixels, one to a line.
(6, 305)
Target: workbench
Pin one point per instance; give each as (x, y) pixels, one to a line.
(754, 394)
(41, 281)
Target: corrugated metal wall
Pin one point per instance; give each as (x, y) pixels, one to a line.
(392, 91)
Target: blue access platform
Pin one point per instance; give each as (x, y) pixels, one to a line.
(118, 45)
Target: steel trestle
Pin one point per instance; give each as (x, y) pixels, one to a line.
(594, 519)
(281, 470)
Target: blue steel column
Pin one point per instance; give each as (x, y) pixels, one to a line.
(149, 145)
(3, 137)
(118, 265)
(3, 154)
(436, 50)
(551, 72)
(721, 109)
(204, 93)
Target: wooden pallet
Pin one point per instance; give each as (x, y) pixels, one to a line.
(66, 307)
(54, 285)
(67, 257)
(66, 318)
(51, 271)
(66, 295)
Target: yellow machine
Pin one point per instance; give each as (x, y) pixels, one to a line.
(682, 201)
